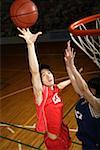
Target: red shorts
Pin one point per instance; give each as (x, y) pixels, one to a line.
(63, 142)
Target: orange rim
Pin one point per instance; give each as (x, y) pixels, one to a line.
(77, 32)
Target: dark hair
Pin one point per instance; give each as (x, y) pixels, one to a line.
(44, 66)
(95, 84)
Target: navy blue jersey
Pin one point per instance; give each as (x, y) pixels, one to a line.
(88, 126)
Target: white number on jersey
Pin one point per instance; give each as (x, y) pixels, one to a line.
(78, 115)
(56, 99)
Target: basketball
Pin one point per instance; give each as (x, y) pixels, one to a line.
(23, 13)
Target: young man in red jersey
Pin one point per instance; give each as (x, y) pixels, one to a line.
(48, 104)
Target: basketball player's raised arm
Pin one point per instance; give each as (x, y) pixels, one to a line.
(95, 102)
(71, 75)
(82, 85)
(33, 62)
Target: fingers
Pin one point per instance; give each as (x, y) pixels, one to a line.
(69, 51)
(68, 43)
(81, 69)
(20, 35)
(65, 59)
(28, 30)
(68, 46)
(66, 52)
(23, 31)
(74, 53)
(19, 29)
(38, 33)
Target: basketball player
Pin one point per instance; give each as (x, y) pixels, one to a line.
(87, 109)
(49, 105)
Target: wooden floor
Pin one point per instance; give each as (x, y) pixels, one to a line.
(16, 98)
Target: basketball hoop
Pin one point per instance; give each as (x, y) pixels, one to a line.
(86, 35)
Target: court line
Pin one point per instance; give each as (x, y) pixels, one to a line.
(20, 127)
(19, 91)
(58, 79)
(6, 138)
(16, 92)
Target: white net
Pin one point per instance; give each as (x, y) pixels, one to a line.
(88, 43)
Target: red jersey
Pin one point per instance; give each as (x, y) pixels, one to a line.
(50, 113)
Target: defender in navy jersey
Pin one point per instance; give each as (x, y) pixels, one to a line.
(88, 126)
(87, 110)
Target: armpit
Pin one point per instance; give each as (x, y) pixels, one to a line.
(94, 113)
